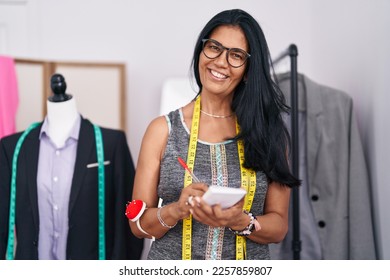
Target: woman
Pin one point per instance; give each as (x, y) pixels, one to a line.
(237, 114)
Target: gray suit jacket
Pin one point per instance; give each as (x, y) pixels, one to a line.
(338, 184)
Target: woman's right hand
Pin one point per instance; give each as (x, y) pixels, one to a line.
(183, 205)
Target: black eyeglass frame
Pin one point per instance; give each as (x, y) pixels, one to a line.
(228, 50)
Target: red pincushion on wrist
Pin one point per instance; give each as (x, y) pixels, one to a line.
(135, 209)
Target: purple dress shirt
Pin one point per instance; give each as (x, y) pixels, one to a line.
(54, 181)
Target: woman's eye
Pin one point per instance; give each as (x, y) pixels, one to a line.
(237, 55)
(215, 48)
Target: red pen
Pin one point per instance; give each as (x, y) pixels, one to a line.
(182, 162)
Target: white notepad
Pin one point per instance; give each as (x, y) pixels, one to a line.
(226, 197)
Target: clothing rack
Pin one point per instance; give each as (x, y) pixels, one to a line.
(292, 52)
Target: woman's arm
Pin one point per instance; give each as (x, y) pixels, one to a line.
(147, 174)
(274, 221)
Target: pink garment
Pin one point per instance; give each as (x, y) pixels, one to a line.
(9, 98)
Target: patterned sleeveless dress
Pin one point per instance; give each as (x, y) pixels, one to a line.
(215, 164)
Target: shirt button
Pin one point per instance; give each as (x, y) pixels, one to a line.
(55, 179)
(314, 197)
(56, 234)
(55, 207)
(58, 152)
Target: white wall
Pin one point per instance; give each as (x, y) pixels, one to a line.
(343, 44)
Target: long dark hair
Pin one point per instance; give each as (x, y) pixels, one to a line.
(258, 102)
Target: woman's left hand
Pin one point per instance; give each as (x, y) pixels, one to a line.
(215, 216)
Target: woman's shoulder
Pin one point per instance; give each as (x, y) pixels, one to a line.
(161, 125)
(157, 125)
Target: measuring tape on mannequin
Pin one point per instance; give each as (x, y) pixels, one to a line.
(248, 182)
(101, 192)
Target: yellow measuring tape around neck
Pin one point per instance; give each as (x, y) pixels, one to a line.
(248, 182)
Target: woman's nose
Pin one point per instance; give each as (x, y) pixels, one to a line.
(222, 59)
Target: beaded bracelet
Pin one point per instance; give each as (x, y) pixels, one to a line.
(253, 225)
(161, 220)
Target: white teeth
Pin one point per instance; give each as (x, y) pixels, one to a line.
(218, 75)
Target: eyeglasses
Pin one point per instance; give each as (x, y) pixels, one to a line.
(235, 57)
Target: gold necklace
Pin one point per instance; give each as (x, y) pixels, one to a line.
(216, 116)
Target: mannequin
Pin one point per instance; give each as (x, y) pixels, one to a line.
(57, 188)
(61, 111)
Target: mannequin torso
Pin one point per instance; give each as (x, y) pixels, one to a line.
(61, 117)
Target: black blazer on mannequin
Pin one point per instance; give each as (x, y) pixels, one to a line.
(82, 240)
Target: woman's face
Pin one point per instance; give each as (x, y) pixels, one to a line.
(216, 75)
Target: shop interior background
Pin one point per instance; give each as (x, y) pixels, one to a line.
(343, 44)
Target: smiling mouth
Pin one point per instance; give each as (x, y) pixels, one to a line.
(218, 75)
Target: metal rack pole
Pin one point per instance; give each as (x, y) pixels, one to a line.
(292, 52)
